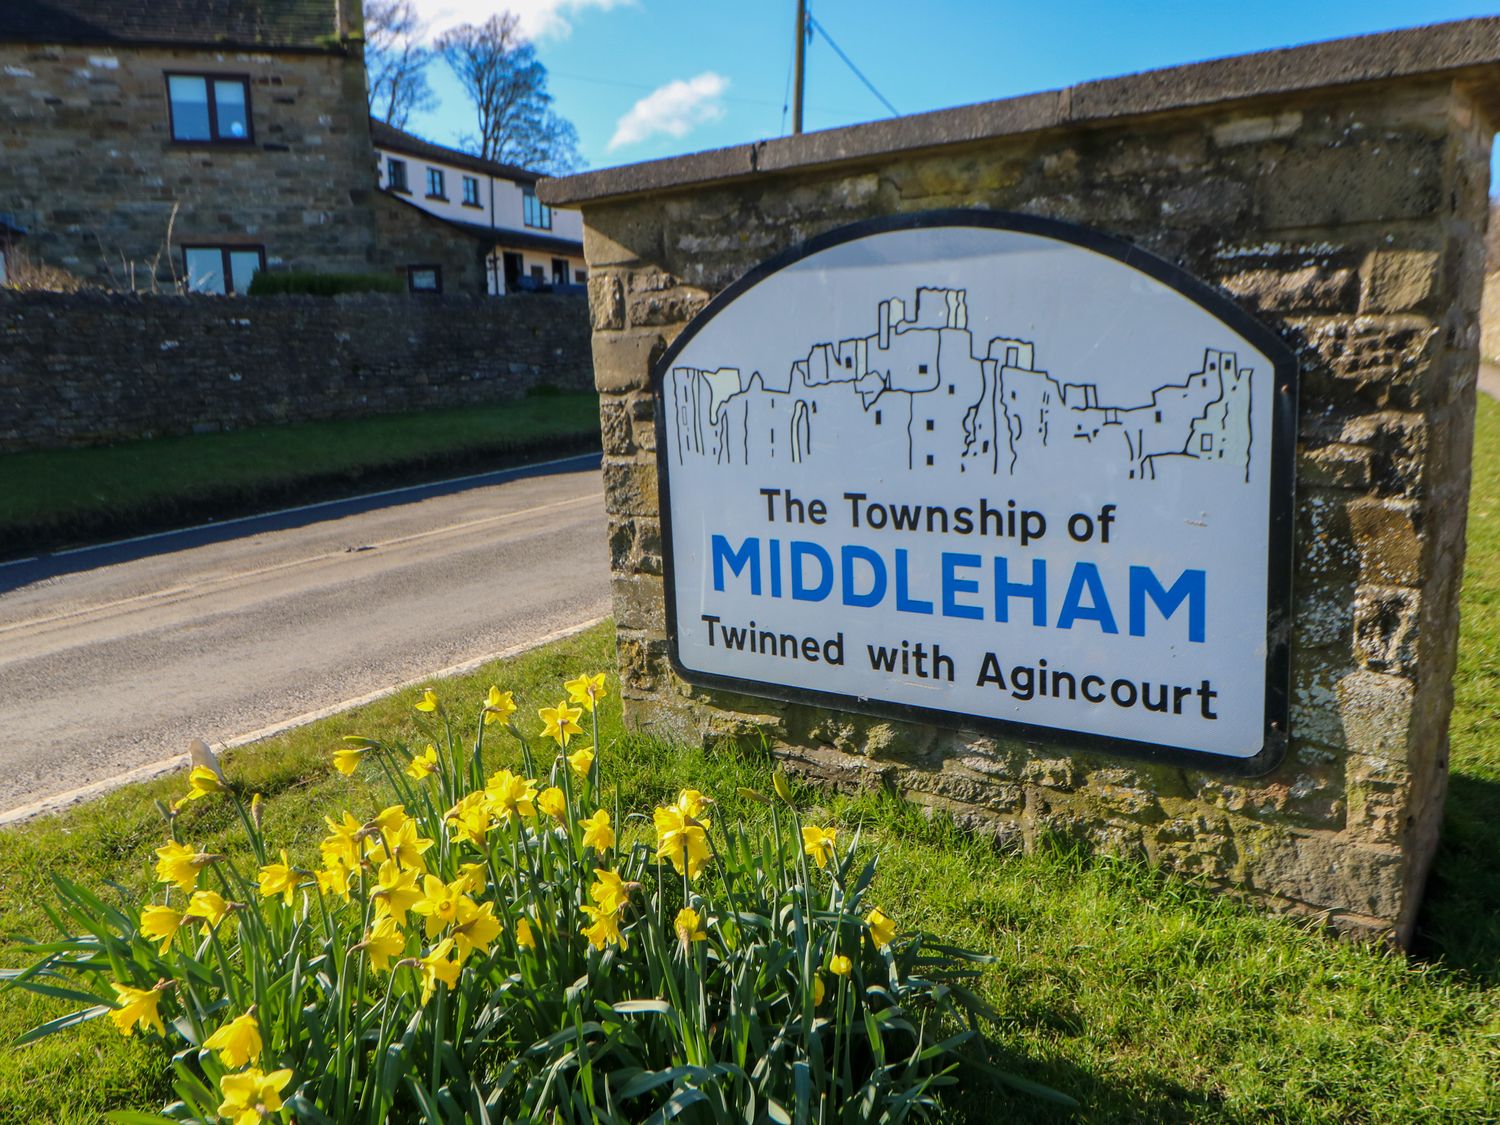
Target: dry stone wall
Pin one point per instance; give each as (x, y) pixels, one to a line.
(1350, 219)
(94, 366)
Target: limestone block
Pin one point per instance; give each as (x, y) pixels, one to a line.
(1399, 281)
(623, 360)
(639, 602)
(614, 427)
(629, 487)
(1325, 871)
(1376, 712)
(1305, 289)
(1386, 628)
(606, 302)
(1387, 537)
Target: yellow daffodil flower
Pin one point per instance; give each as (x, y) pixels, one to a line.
(390, 819)
(820, 989)
(581, 762)
(395, 891)
(477, 928)
(383, 942)
(334, 879)
(472, 878)
(251, 1096)
(525, 939)
(438, 904)
(428, 703)
(179, 865)
(840, 966)
(604, 928)
(498, 706)
(681, 839)
(691, 803)
(597, 833)
(818, 843)
(346, 759)
(137, 1008)
(237, 1041)
(160, 923)
(551, 802)
(203, 782)
(437, 967)
(279, 879)
(511, 797)
(471, 818)
(208, 907)
(689, 926)
(257, 810)
(586, 691)
(609, 891)
(423, 765)
(882, 928)
(560, 723)
(405, 846)
(341, 845)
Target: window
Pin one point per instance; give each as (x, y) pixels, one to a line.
(580, 277)
(2, 266)
(209, 108)
(471, 191)
(559, 271)
(395, 174)
(222, 269)
(435, 184)
(424, 279)
(539, 275)
(534, 212)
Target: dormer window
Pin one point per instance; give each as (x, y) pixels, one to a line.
(209, 108)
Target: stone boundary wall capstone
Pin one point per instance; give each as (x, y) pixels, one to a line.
(92, 367)
(1338, 193)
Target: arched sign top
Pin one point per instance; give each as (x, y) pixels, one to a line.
(990, 471)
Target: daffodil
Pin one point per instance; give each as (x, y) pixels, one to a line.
(581, 761)
(471, 818)
(477, 928)
(551, 802)
(689, 926)
(160, 923)
(257, 810)
(840, 966)
(604, 928)
(818, 843)
(882, 928)
(208, 907)
(560, 723)
(682, 839)
(510, 796)
(388, 821)
(137, 1008)
(423, 765)
(437, 967)
(597, 833)
(179, 865)
(237, 1041)
(609, 891)
(333, 879)
(341, 845)
(406, 847)
(383, 942)
(525, 939)
(428, 703)
(819, 989)
(279, 879)
(251, 1096)
(395, 891)
(691, 803)
(472, 878)
(586, 691)
(346, 759)
(438, 904)
(203, 782)
(498, 706)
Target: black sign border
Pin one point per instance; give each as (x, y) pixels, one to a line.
(1282, 500)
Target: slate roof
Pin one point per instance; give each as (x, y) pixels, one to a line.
(287, 24)
(387, 136)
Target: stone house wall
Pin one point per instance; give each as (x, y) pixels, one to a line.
(1347, 216)
(93, 366)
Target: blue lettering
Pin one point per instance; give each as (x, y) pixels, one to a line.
(1191, 586)
(876, 594)
(801, 549)
(904, 601)
(1036, 590)
(954, 585)
(747, 555)
(1086, 576)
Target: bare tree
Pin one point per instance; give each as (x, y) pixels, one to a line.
(396, 61)
(499, 70)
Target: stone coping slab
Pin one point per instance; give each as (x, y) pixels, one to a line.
(1461, 48)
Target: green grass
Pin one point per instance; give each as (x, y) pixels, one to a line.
(49, 497)
(1145, 997)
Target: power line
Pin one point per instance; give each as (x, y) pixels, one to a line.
(823, 31)
(648, 87)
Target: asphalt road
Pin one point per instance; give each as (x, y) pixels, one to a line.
(111, 668)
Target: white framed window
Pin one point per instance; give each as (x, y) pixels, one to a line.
(224, 270)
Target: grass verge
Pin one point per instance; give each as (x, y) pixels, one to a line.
(55, 497)
(1145, 997)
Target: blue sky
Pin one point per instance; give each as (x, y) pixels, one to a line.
(649, 78)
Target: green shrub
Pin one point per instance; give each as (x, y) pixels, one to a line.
(268, 282)
(507, 946)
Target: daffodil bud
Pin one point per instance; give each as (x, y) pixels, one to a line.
(783, 790)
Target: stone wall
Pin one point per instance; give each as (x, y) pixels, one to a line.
(1349, 217)
(94, 367)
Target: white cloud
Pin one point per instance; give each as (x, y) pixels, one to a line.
(540, 19)
(674, 109)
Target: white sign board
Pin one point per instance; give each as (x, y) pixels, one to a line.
(989, 471)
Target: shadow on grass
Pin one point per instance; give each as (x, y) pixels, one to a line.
(1459, 926)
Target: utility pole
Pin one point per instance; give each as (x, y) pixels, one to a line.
(797, 81)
